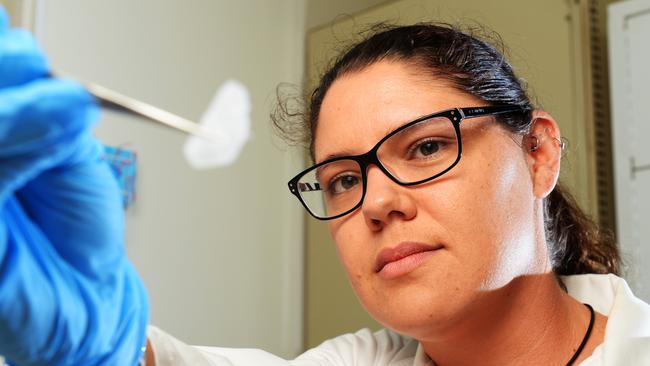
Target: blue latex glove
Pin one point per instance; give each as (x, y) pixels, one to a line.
(68, 295)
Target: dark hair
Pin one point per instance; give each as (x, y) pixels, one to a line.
(475, 66)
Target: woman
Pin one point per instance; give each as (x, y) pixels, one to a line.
(465, 260)
(470, 258)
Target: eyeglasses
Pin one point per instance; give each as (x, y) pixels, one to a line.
(414, 153)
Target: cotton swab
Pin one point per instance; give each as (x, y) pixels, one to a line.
(115, 101)
(219, 137)
(228, 113)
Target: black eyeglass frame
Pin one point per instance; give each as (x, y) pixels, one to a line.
(455, 115)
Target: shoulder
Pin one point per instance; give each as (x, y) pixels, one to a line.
(621, 352)
(627, 333)
(383, 347)
(610, 295)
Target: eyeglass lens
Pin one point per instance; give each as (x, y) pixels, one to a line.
(414, 154)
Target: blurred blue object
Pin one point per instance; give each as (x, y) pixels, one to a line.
(68, 294)
(123, 162)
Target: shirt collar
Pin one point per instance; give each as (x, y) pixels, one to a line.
(627, 333)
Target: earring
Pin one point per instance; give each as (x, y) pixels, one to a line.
(534, 146)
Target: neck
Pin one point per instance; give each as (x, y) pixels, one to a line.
(531, 321)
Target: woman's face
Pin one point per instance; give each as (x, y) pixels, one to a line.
(472, 229)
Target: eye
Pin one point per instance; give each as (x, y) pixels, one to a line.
(425, 148)
(343, 182)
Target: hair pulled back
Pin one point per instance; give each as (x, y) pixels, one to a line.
(476, 67)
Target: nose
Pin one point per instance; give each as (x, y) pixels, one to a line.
(385, 200)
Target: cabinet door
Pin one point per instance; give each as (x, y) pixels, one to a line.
(629, 27)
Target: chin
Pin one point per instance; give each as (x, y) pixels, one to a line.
(417, 310)
(419, 325)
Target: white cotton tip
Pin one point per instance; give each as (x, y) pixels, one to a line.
(227, 115)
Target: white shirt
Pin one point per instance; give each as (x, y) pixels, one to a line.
(627, 338)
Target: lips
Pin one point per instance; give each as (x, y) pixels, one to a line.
(403, 258)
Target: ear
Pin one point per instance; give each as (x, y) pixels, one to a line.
(543, 147)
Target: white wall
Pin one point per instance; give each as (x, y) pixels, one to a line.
(220, 251)
(629, 56)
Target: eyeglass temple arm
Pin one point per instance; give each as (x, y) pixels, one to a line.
(490, 110)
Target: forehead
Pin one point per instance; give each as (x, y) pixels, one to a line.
(363, 106)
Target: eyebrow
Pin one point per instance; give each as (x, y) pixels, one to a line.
(345, 153)
(341, 154)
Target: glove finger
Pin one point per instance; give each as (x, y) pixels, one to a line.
(42, 112)
(39, 124)
(79, 208)
(21, 59)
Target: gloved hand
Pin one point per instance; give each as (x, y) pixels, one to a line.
(68, 295)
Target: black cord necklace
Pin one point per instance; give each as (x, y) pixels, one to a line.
(586, 337)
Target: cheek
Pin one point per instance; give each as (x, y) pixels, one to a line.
(357, 251)
(495, 235)
(353, 249)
